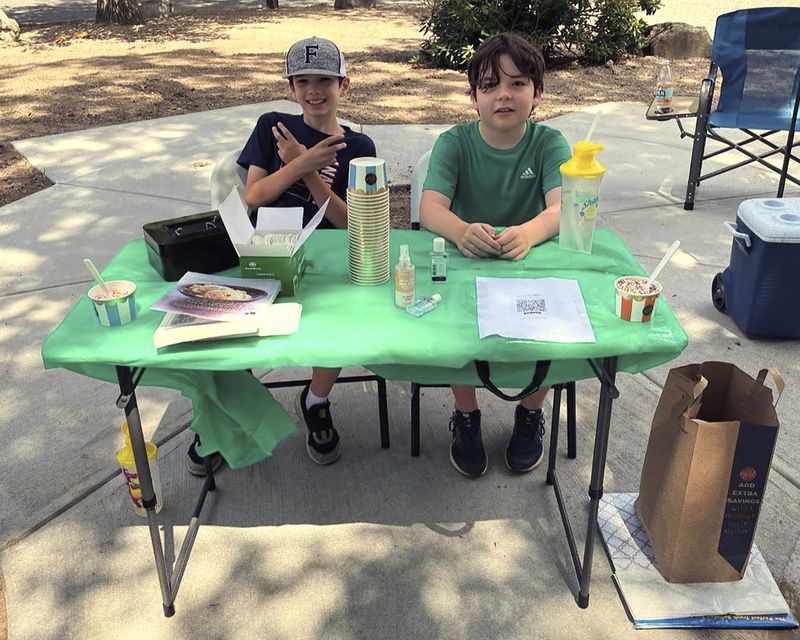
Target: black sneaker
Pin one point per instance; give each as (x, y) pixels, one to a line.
(194, 462)
(467, 454)
(525, 451)
(323, 441)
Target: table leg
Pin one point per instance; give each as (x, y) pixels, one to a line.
(168, 580)
(554, 423)
(607, 393)
(415, 389)
(572, 447)
(383, 412)
(125, 377)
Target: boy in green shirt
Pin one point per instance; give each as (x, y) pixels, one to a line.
(499, 170)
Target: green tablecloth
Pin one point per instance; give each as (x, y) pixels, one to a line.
(347, 325)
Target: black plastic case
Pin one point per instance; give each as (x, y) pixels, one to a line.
(197, 242)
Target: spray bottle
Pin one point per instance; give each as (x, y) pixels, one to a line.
(404, 279)
(128, 464)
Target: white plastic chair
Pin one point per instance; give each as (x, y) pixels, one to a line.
(226, 175)
(417, 180)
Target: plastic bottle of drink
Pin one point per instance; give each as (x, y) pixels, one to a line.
(580, 197)
(404, 279)
(664, 88)
(126, 461)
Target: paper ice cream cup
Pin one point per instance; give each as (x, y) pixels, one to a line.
(632, 301)
(117, 310)
(367, 176)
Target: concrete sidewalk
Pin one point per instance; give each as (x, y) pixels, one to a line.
(380, 545)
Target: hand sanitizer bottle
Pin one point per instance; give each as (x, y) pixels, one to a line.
(423, 305)
(438, 261)
(404, 279)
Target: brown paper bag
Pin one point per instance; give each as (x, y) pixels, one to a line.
(706, 468)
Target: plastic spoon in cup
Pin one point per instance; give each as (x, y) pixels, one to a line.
(670, 252)
(96, 275)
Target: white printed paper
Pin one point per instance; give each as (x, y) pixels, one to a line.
(544, 309)
(649, 597)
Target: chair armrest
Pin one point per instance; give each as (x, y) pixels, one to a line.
(706, 95)
(682, 107)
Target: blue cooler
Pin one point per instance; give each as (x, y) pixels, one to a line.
(759, 288)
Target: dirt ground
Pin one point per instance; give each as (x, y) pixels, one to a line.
(60, 78)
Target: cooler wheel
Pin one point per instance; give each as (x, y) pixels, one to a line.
(718, 293)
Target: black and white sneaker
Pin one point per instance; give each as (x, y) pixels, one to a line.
(322, 445)
(467, 454)
(194, 462)
(525, 451)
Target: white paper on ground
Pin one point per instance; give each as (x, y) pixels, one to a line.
(649, 596)
(544, 309)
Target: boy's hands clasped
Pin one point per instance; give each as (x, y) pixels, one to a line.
(321, 155)
(480, 241)
(515, 243)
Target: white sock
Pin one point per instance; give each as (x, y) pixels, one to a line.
(312, 400)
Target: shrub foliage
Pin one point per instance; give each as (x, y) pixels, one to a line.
(593, 30)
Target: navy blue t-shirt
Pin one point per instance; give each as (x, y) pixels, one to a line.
(262, 151)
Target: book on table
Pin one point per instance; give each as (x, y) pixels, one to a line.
(205, 307)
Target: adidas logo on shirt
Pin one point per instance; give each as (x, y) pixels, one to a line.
(528, 174)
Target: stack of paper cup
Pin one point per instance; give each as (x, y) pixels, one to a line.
(368, 221)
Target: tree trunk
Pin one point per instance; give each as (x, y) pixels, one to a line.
(271, 4)
(354, 4)
(118, 12)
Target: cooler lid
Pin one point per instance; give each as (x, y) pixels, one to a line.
(772, 219)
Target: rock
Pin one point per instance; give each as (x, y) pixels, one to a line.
(9, 28)
(677, 40)
(151, 9)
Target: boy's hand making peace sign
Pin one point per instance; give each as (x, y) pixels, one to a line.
(321, 155)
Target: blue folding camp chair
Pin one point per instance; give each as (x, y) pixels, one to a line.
(758, 53)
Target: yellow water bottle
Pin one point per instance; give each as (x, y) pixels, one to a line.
(128, 465)
(580, 197)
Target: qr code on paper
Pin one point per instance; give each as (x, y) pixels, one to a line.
(531, 305)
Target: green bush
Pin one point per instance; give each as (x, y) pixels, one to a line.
(594, 30)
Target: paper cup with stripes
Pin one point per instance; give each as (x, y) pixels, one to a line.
(368, 176)
(632, 301)
(120, 308)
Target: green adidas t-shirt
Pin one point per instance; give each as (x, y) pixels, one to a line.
(501, 187)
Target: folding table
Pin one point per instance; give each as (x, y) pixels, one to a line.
(346, 325)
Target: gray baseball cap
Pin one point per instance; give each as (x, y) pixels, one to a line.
(316, 56)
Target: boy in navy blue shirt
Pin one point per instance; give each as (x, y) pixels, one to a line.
(302, 161)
